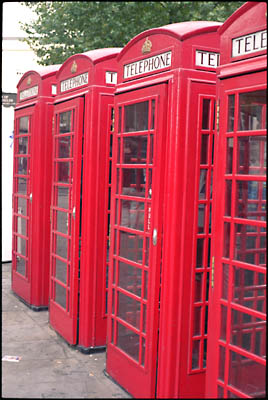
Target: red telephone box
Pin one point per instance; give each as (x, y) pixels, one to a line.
(82, 135)
(160, 210)
(32, 186)
(237, 315)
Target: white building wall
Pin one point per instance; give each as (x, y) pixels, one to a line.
(17, 58)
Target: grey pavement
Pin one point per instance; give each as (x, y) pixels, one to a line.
(48, 367)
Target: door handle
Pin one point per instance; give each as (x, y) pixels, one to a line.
(154, 236)
(31, 197)
(74, 212)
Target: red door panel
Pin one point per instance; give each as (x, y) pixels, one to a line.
(237, 336)
(22, 206)
(135, 256)
(65, 217)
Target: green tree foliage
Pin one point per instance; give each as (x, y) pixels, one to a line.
(64, 28)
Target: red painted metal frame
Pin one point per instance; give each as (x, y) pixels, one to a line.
(89, 266)
(170, 373)
(236, 336)
(35, 100)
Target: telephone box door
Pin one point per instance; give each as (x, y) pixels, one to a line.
(136, 239)
(237, 337)
(65, 217)
(22, 198)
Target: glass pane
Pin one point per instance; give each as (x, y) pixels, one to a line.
(65, 122)
(198, 287)
(132, 214)
(251, 155)
(22, 167)
(128, 341)
(136, 117)
(63, 171)
(62, 222)
(129, 310)
(63, 197)
(228, 197)
(135, 150)
(64, 147)
(133, 181)
(221, 363)
(197, 320)
(231, 107)
(21, 246)
(130, 278)
(223, 319)
(204, 149)
(225, 281)
(226, 240)
(229, 156)
(131, 246)
(252, 111)
(60, 295)
(21, 226)
(202, 184)
(201, 217)
(205, 117)
(23, 145)
(199, 253)
(247, 243)
(22, 206)
(22, 185)
(61, 270)
(195, 354)
(153, 113)
(21, 265)
(247, 375)
(250, 203)
(61, 248)
(24, 125)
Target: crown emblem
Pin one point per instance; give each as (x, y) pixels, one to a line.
(73, 67)
(146, 47)
(29, 81)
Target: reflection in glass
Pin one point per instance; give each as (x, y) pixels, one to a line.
(132, 214)
(63, 197)
(63, 171)
(131, 246)
(22, 185)
(65, 122)
(251, 155)
(129, 310)
(62, 222)
(24, 125)
(136, 117)
(22, 205)
(22, 165)
(64, 147)
(61, 246)
(61, 270)
(130, 278)
(252, 112)
(202, 184)
(133, 181)
(128, 341)
(60, 296)
(205, 117)
(231, 108)
(135, 150)
(250, 203)
(247, 244)
(21, 265)
(23, 145)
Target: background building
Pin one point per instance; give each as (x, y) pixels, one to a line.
(17, 58)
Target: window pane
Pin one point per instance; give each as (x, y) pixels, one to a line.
(229, 155)
(251, 155)
(250, 202)
(135, 150)
(65, 122)
(131, 246)
(249, 245)
(128, 341)
(231, 106)
(22, 185)
(129, 310)
(202, 184)
(62, 246)
(130, 278)
(204, 149)
(62, 197)
(64, 147)
(205, 117)
(133, 181)
(252, 113)
(136, 117)
(23, 145)
(60, 296)
(21, 265)
(132, 214)
(24, 125)
(63, 171)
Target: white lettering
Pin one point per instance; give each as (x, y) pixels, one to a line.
(74, 82)
(111, 77)
(207, 59)
(150, 64)
(31, 92)
(248, 44)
